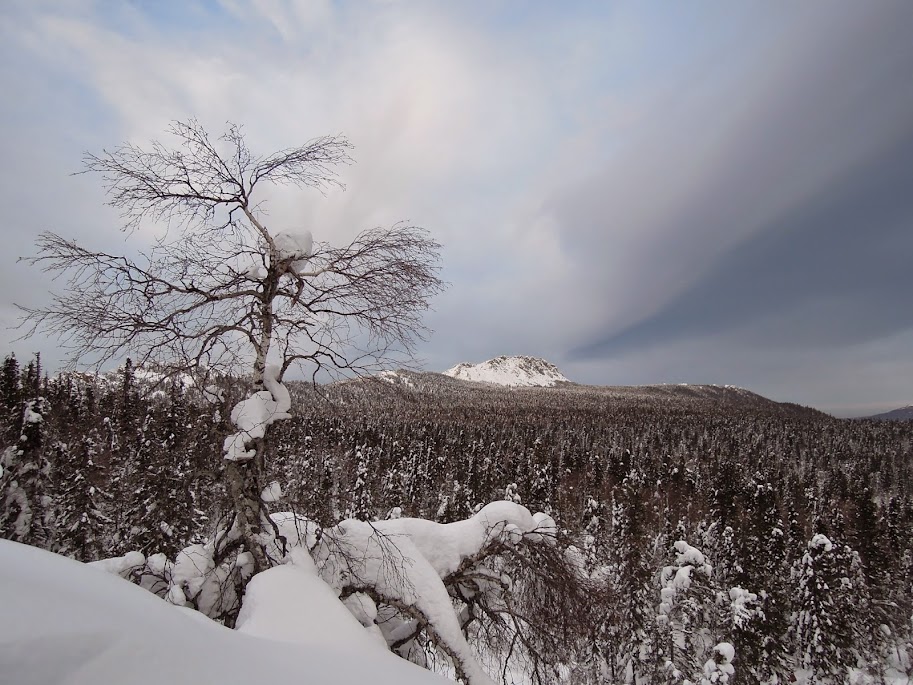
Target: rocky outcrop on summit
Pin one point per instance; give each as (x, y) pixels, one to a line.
(515, 371)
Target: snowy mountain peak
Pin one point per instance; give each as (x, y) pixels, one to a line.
(518, 370)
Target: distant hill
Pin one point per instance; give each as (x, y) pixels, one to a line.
(513, 371)
(902, 414)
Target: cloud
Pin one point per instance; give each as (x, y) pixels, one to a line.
(615, 186)
(665, 232)
(442, 117)
(832, 270)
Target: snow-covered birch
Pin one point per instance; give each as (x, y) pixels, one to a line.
(219, 290)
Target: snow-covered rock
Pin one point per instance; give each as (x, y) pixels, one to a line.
(396, 378)
(153, 377)
(518, 370)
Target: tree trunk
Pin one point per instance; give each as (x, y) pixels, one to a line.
(244, 487)
(245, 478)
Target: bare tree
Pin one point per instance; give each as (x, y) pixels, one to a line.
(221, 291)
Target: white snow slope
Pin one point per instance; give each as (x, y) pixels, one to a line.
(65, 622)
(519, 370)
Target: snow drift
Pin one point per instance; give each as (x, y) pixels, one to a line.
(66, 622)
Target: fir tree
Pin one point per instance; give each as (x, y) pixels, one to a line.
(80, 517)
(688, 617)
(630, 633)
(824, 631)
(11, 398)
(25, 504)
(361, 504)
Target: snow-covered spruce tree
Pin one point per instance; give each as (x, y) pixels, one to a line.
(222, 291)
(161, 496)
(827, 611)
(24, 479)
(360, 505)
(80, 519)
(632, 578)
(688, 621)
(623, 634)
(10, 401)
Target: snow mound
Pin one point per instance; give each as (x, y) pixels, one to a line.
(519, 370)
(290, 603)
(66, 622)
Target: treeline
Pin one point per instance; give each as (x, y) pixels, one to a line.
(805, 522)
(94, 466)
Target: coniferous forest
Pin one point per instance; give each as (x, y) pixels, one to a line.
(698, 514)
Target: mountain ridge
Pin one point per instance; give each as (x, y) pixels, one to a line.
(523, 377)
(899, 414)
(442, 390)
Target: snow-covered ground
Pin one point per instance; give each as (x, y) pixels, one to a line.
(65, 622)
(519, 371)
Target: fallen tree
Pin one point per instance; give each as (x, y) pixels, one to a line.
(494, 594)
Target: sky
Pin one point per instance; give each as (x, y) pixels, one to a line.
(639, 192)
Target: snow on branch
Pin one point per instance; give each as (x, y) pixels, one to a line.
(447, 579)
(252, 416)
